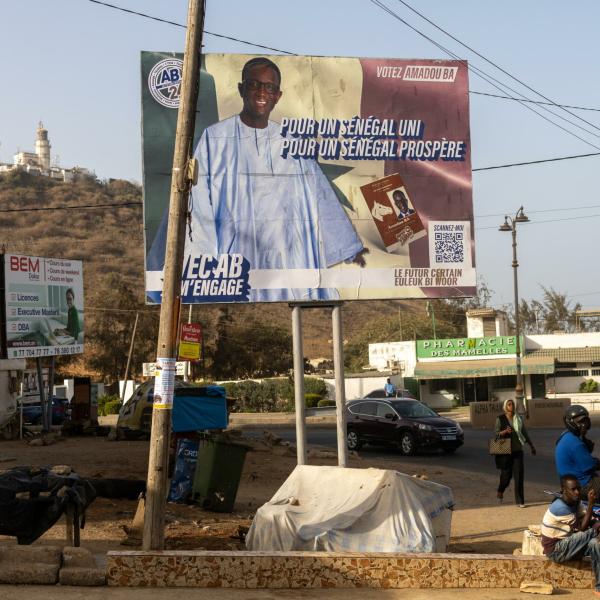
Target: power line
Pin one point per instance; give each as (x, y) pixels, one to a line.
(494, 64)
(543, 210)
(124, 204)
(533, 101)
(549, 221)
(218, 35)
(123, 310)
(586, 294)
(474, 69)
(227, 37)
(60, 239)
(536, 162)
(70, 207)
(485, 76)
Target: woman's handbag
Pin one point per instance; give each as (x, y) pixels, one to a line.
(498, 445)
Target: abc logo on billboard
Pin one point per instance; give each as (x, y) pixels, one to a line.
(164, 82)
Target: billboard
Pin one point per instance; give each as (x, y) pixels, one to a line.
(43, 306)
(318, 178)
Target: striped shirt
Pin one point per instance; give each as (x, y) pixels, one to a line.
(560, 520)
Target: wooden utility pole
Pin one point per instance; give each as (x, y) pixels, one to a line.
(156, 486)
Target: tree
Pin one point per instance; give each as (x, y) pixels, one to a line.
(531, 316)
(554, 313)
(558, 313)
(110, 326)
(224, 345)
(246, 350)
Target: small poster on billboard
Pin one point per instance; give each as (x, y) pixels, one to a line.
(43, 306)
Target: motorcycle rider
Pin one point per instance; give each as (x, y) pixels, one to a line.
(573, 452)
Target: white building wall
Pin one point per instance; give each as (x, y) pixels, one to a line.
(562, 340)
(382, 354)
(10, 373)
(501, 324)
(566, 385)
(26, 158)
(474, 327)
(436, 400)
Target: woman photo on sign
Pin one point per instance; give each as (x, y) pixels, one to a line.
(59, 330)
(510, 425)
(73, 327)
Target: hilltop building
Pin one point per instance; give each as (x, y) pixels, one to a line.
(39, 163)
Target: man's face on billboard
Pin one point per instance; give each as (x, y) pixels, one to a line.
(401, 201)
(260, 93)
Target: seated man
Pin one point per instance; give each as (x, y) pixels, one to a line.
(566, 528)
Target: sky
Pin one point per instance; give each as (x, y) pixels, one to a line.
(74, 65)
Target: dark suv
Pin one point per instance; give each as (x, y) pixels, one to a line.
(408, 423)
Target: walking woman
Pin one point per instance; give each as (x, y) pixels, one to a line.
(510, 425)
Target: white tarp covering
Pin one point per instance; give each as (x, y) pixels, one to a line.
(362, 510)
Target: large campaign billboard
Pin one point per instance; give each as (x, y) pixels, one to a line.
(319, 178)
(43, 306)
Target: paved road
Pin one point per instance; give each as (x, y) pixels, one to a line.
(472, 457)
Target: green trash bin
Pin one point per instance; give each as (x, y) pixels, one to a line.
(218, 473)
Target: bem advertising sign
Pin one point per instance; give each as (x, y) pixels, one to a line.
(490, 347)
(318, 178)
(43, 304)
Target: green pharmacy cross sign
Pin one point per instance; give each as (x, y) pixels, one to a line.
(502, 345)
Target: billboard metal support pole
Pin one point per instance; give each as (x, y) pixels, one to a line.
(299, 384)
(156, 487)
(340, 390)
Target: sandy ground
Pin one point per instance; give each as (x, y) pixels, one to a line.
(478, 525)
(75, 593)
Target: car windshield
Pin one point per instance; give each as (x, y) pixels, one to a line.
(413, 408)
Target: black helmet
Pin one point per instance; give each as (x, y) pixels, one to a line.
(574, 416)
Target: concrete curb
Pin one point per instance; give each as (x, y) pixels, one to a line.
(79, 568)
(48, 565)
(31, 565)
(290, 570)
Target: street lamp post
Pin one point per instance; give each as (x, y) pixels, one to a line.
(510, 224)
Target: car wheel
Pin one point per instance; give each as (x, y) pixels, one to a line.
(407, 443)
(353, 441)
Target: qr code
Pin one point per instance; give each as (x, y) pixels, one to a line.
(449, 247)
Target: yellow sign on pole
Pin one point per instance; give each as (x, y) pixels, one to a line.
(190, 341)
